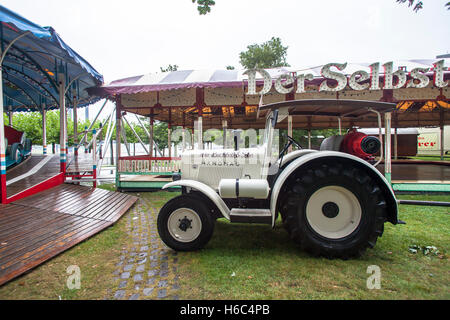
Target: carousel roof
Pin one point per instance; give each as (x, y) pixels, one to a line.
(185, 79)
(179, 97)
(31, 66)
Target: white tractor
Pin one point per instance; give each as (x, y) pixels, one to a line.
(332, 203)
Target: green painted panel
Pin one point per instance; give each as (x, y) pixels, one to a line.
(436, 187)
(143, 185)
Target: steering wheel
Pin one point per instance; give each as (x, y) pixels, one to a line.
(291, 141)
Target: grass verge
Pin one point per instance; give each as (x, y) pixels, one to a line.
(256, 262)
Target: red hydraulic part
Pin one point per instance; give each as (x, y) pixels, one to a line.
(360, 145)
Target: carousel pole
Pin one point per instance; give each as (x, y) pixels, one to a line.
(118, 132)
(289, 119)
(309, 132)
(10, 116)
(75, 124)
(151, 132)
(62, 124)
(169, 132)
(2, 145)
(200, 129)
(44, 130)
(183, 135)
(387, 144)
(441, 126)
(225, 128)
(395, 144)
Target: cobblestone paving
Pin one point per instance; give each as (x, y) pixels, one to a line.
(146, 268)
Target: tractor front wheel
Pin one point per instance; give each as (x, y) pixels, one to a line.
(185, 223)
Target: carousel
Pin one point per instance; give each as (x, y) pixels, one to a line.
(194, 103)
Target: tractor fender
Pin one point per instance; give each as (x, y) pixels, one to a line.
(299, 162)
(294, 154)
(205, 190)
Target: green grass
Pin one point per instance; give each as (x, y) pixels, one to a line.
(430, 158)
(266, 264)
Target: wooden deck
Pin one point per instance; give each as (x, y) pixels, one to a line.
(37, 228)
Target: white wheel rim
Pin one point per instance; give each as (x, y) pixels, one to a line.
(175, 219)
(347, 219)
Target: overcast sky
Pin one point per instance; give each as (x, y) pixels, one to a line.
(127, 38)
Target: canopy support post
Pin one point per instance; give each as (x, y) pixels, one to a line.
(10, 116)
(387, 144)
(441, 125)
(75, 124)
(289, 119)
(225, 128)
(340, 125)
(169, 133)
(151, 133)
(44, 130)
(118, 143)
(200, 129)
(62, 124)
(2, 144)
(395, 144)
(309, 133)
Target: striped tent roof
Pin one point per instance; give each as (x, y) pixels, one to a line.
(178, 97)
(231, 78)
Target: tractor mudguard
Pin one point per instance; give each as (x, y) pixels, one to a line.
(205, 190)
(301, 161)
(293, 155)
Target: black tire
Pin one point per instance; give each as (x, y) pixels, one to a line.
(341, 175)
(196, 205)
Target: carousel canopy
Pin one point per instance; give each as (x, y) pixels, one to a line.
(179, 97)
(31, 66)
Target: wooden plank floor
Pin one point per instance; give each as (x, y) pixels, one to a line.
(37, 228)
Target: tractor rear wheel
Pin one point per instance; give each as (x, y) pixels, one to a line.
(185, 223)
(333, 209)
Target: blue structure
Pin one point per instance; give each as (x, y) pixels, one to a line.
(40, 72)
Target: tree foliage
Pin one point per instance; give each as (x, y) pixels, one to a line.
(31, 124)
(204, 6)
(417, 5)
(270, 54)
(169, 68)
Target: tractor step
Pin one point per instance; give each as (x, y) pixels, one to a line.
(240, 215)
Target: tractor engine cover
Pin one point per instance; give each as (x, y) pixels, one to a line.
(360, 144)
(244, 188)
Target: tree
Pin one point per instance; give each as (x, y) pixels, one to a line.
(161, 135)
(204, 6)
(169, 68)
(417, 5)
(270, 54)
(230, 67)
